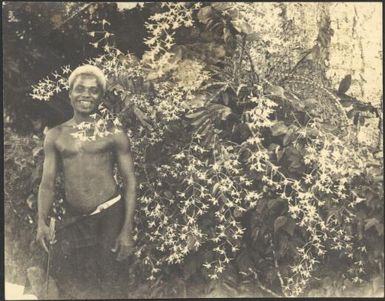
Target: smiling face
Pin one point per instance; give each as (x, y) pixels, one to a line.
(85, 94)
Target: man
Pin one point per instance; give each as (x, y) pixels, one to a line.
(95, 235)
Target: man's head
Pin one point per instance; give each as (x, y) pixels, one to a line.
(87, 84)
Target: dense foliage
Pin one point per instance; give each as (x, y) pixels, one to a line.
(42, 37)
(251, 178)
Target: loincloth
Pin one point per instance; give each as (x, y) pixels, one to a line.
(81, 259)
(77, 230)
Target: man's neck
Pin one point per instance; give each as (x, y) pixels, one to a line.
(79, 118)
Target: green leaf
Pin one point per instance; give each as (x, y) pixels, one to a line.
(273, 147)
(282, 246)
(215, 24)
(209, 25)
(275, 91)
(345, 84)
(312, 132)
(31, 201)
(227, 36)
(240, 87)
(199, 121)
(36, 151)
(195, 115)
(279, 222)
(380, 229)
(237, 213)
(241, 132)
(204, 128)
(222, 197)
(198, 101)
(141, 117)
(226, 99)
(242, 26)
(252, 37)
(288, 137)
(224, 113)
(168, 194)
(204, 119)
(36, 174)
(223, 6)
(290, 227)
(204, 14)
(215, 188)
(210, 136)
(280, 153)
(279, 129)
(218, 52)
(275, 202)
(191, 239)
(152, 75)
(370, 222)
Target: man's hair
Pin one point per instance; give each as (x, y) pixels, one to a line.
(88, 70)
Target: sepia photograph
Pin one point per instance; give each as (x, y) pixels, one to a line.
(193, 150)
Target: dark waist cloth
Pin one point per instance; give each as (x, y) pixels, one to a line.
(76, 230)
(81, 257)
(74, 214)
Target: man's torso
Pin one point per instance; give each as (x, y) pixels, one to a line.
(87, 167)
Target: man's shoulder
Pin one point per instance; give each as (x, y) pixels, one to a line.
(54, 132)
(120, 137)
(60, 127)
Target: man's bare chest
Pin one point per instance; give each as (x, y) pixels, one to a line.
(69, 146)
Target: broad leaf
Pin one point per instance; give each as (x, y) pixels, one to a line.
(275, 91)
(218, 52)
(275, 202)
(204, 120)
(242, 26)
(31, 201)
(36, 151)
(312, 132)
(288, 137)
(205, 13)
(290, 227)
(196, 114)
(253, 37)
(370, 223)
(279, 153)
(215, 188)
(380, 229)
(237, 213)
(168, 194)
(344, 85)
(279, 222)
(279, 129)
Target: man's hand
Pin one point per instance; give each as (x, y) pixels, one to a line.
(43, 235)
(124, 245)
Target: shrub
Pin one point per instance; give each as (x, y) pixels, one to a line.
(248, 166)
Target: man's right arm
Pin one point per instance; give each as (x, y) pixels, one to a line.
(47, 186)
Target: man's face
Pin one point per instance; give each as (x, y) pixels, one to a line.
(86, 94)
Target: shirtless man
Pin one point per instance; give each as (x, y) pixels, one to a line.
(103, 238)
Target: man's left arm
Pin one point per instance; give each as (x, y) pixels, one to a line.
(124, 242)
